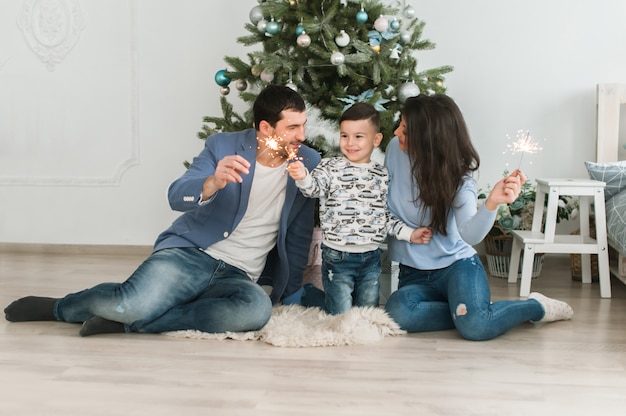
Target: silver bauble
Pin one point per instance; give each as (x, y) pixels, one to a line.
(267, 76)
(406, 90)
(342, 39)
(304, 40)
(337, 58)
(405, 37)
(292, 86)
(256, 14)
(241, 85)
(261, 25)
(225, 90)
(409, 12)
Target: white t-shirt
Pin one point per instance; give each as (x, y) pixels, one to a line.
(248, 245)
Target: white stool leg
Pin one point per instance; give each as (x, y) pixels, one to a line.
(514, 262)
(603, 249)
(527, 269)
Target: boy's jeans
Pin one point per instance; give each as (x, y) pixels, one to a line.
(175, 289)
(350, 279)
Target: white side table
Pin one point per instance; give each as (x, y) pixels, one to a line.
(535, 241)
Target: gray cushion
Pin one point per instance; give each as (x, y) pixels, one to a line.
(613, 174)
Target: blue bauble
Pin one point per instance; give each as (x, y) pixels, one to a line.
(221, 79)
(299, 29)
(394, 25)
(272, 27)
(361, 16)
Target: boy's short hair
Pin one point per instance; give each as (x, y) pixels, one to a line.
(272, 101)
(362, 111)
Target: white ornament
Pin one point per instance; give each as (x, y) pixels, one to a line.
(337, 58)
(262, 25)
(256, 14)
(406, 90)
(381, 24)
(409, 12)
(342, 39)
(405, 37)
(267, 76)
(241, 85)
(304, 40)
(291, 85)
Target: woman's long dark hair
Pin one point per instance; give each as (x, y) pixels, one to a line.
(441, 153)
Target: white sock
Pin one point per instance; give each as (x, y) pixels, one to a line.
(554, 310)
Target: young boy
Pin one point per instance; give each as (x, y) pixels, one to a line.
(353, 212)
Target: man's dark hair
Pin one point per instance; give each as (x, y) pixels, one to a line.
(273, 100)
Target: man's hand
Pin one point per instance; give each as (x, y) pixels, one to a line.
(228, 170)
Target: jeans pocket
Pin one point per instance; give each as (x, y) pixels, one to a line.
(331, 256)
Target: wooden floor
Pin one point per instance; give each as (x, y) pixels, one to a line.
(565, 368)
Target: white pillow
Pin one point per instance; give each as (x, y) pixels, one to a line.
(613, 174)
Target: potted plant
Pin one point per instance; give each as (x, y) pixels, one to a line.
(518, 215)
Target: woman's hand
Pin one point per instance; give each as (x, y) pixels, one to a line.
(506, 190)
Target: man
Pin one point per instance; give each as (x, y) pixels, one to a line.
(243, 218)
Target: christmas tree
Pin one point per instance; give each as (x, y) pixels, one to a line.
(334, 53)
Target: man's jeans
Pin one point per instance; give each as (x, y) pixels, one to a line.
(175, 289)
(350, 279)
(457, 296)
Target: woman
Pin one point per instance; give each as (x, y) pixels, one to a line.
(443, 285)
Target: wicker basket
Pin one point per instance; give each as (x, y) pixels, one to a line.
(576, 261)
(498, 248)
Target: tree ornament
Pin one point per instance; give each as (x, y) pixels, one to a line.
(337, 58)
(304, 40)
(221, 79)
(342, 39)
(407, 90)
(255, 70)
(272, 27)
(381, 24)
(394, 25)
(291, 85)
(256, 14)
(261, 25)
(293, 3)
(375, 48)
(225, 90)
(405, 37)
(361, 16)
(409, 12)
(395, 53)
(241, 85)
(267, 76)
(299, 29)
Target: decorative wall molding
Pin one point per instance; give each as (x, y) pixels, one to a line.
(51, 28)
(58, 25)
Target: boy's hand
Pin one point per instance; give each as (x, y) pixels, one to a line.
(421, 235)
(296, 170)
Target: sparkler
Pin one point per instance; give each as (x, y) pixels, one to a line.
(524, 143)
(273, 144)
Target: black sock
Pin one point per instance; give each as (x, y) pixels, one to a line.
(98, 325)
(31, 308)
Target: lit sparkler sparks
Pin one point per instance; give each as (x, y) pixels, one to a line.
(273, 144)
(524, 143)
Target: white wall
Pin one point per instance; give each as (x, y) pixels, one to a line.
(88, 149)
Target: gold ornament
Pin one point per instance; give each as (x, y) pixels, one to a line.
(375, 48)
(293, 3)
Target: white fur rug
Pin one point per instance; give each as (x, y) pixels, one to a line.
(297, 326)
